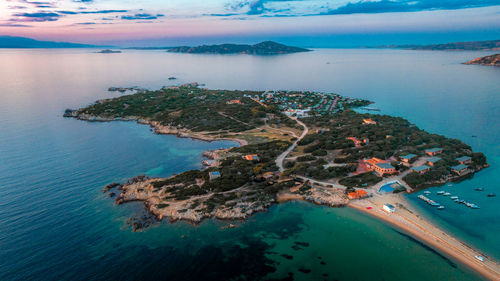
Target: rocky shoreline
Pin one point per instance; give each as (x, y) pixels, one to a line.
(155, 125)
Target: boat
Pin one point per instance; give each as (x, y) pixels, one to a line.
(479, 189)
(440, 192)
(474, 206)
(453, 197)
(441, 208)
(447, 194)
(491, 195)
(427, 192)
(450, 184)
(480, 258)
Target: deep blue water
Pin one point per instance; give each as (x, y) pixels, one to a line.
(56, 224)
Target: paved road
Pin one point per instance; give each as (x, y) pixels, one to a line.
(282, 156)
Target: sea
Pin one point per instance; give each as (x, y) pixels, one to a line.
(57, 224)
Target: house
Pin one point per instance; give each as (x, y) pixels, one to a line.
(251, 157)
(357, 142)
(234, 102)
(432, 161)
(464, 160)
(389, 208)
(407, 158)
(433, 151)
(384, 168)
(421, 169)
(460, 169)
(360, 193)
(380, 166)
(208, 162)
(214, 175)
(369, 122)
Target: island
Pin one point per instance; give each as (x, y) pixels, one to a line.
(263, 48)
(493, 60)
(108, 51)
(489, 45)
(293, 145)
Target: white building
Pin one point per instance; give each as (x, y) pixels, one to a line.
(389, 208)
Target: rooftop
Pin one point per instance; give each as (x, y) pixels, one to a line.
(433, 149)
(420, 168)
(408, 156)
(463, 158)
(433, 159)
(384, 165)
(459, 167)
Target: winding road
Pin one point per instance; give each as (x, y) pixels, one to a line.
(282, 156)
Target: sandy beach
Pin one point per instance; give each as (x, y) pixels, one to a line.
(407, 219)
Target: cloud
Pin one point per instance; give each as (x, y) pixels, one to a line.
(389, 6)
(14, 25)
(92, 12)
(39, 4)
(36, 17)
(294, 8)
(142, 16)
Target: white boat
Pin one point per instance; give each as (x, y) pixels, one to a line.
(440, 192)
(453, 197)
(447, 194)
(440, 207)
(480, 258)
(427, 192)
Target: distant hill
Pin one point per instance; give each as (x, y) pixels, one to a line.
(491, 45)
(493, 60)
(23, 42)
(264, 48)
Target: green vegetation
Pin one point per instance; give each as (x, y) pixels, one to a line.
(365, 179)
(191, 108)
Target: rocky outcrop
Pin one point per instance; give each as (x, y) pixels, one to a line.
(493, 60)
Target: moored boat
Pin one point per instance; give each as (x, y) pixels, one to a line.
(491, 195)
(440, 192)
(478, 189)
(453, 197)
(441, 208)
(447, 194)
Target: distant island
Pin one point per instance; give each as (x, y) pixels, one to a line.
(108, 51)
(23, 42)
(490, 45)
(263, 48)
(493, 60)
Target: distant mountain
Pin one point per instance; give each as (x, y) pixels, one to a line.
(491, 45)
(264, 48)
(23, 42)
(493, 60)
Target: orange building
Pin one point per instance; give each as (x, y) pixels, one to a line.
(357, 142)
(369, 122)
(380, 166)
(234, 102)
(360, 193)
(251, 157)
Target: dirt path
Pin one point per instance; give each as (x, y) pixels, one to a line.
(282, 156)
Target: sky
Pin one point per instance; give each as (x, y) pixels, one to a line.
(310, 23)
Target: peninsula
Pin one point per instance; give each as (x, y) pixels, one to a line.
(493, 60)
(489, 45)
(263, 48)
(294, 145)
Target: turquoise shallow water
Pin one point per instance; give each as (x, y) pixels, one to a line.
(55, 224)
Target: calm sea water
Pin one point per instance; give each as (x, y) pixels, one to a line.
(56, 224)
